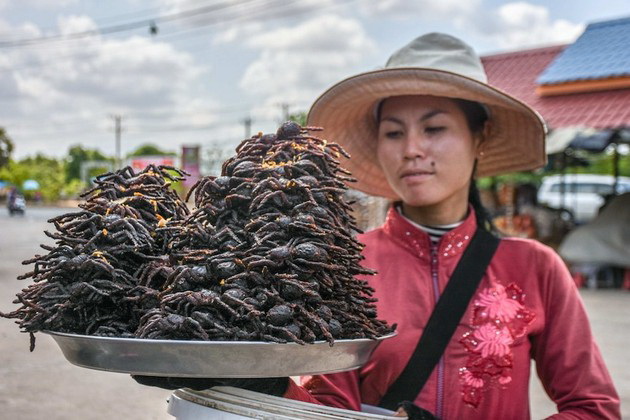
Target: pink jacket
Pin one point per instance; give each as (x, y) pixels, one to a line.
(527, 306)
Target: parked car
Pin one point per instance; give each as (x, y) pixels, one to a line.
(581, 194)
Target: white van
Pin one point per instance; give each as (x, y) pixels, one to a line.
(583, 193)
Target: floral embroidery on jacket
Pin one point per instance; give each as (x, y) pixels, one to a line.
(499, 318)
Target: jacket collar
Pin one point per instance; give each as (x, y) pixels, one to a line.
(418, 242)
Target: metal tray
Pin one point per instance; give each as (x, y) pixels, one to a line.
(213, 359)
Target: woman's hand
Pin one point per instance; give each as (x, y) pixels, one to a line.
(413, 412)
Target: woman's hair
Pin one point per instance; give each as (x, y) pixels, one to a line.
(484, 220)
(475, 113)
(476, 117)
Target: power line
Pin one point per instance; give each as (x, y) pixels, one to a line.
(267, 13)
(131, 128)
(117, 18)
(190, 33)
(144, 23)
(283, 6)
(179, 128)
(129, 15)
(227, 109)
(77, 126)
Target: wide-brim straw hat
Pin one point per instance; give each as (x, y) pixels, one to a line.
(437, 65)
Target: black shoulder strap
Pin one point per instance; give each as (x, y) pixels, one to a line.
(443, 321)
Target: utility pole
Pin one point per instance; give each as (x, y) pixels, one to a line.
(285, 111)
(117, 130)
(248, 127)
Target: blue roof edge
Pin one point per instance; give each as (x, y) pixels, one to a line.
(607, 22)
(545, 78)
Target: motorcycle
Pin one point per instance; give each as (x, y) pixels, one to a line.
(17, 206)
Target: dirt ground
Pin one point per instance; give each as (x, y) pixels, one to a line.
(43, 384)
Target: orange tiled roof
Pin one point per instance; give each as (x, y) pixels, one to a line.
(516, 74)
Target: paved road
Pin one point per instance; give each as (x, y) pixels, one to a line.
(43, 384)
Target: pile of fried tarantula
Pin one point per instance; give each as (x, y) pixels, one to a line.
(268, 253)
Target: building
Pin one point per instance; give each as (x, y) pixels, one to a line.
(585, 84)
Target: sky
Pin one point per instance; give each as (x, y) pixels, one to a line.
(68, 68)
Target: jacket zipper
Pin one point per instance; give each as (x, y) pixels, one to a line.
(439, 403)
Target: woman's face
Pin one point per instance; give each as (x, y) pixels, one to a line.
(427, 152)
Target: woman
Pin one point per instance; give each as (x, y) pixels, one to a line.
(419, 131)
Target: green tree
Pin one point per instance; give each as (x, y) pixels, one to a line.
(6, 147)
(77, 155)
(299, 117)
(14, 173)
(150, 150)
(48, 172)
(72, 189)
(603, 163)
(593, 163)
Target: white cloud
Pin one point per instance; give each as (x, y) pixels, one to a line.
(75, 24)
(77, 84)
(296, 63)
(244, 8)
(234, 33)
(235, 19)
(174, 6)
(511, 25)
(50, 3)
(41, 4)
(419, 9)
(25, 30)
(118, 72)
(523, 24)
(520, 25)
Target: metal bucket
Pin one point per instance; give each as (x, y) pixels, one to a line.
(227, 403)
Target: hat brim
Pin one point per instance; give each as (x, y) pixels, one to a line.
(346, 112)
